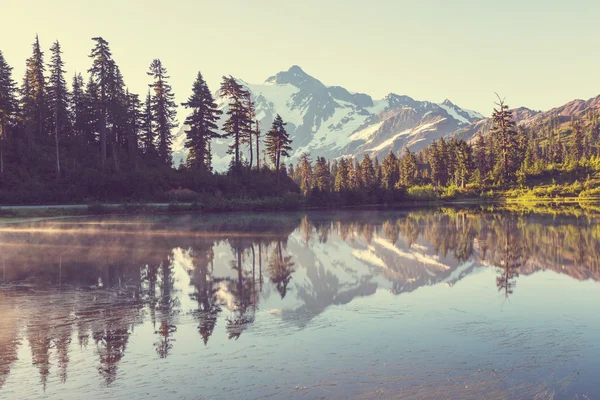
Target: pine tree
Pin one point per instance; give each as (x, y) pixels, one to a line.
(33, 96)
(504, 130)
(8, 107)
(342, 177)
(202, 123)
(117, 114)
(356, 176)
(389, 171)
(278, 143)
(58, 100)
(408, 169)
(437, 165)
(164, 110)
(464, 163)
(101, 75)
(77, 108)
(321, 175)
(92, 113)
(481, 158)
(147, 136)
(133, 126)
(577, 139)
(367, 173)
(238, 122)
(305, 172)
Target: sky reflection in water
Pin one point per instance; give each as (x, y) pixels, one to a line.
(426, 304)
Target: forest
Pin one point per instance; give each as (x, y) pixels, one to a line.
(94, 141)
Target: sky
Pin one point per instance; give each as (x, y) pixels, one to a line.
(535, 53)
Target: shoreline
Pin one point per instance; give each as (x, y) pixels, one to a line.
(14, 213)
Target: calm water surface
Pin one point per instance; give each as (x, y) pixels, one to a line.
(441, 304)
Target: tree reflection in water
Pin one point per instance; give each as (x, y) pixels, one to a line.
(109, 276)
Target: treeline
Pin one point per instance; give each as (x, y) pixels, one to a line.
(505, 157)
(96, 140)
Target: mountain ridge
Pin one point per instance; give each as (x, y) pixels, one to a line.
(332, 122)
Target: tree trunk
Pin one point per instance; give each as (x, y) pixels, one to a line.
(251, 152)
(277, 168)
(115, 158)
(57, 146)
(103, 137)
(201, 156)
(257, 133)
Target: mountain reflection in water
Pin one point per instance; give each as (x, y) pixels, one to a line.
(79, 290)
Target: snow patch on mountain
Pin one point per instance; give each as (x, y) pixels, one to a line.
(330, 121)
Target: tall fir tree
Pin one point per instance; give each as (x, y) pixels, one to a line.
(33, 96)
(201, 123)
(305, 173)
(58, 101)
(342, 176)
(8, 108)
(147, 136)
(577, 141)
(390, 171)
(77, 109)
(367, 173)
(238, 121)
(505, 133)
(164, 110)
(278, 143)
(100, 73)
(321, 175)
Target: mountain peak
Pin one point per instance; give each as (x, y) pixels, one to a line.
(448, 103)
(295, 69)
(297, 77)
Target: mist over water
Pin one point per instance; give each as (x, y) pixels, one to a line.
(429, 304)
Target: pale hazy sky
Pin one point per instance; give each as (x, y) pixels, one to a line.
(537, 53)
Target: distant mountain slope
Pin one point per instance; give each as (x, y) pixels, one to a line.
(536, 120)
(330, 121)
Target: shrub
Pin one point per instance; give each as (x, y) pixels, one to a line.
(426, 192)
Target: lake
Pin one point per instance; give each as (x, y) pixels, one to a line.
(423, 304)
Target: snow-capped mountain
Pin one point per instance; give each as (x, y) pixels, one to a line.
(332, 122)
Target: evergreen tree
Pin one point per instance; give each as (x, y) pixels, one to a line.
(342, 176)
(577, 139)
(58, 101)
(202, 123)
(8, 107)
(77, 108)
(164, 110)
(147, 136)
(92, 113)
(367, 173)
(390, 171)
(133, 126)
(321, 175)
(436, 163)
(278, 143)
(464, 163)
(305, 172)
(238, 122)
(101, 75)
(33, 96)
(480, 158)
(408, 169)
(505, 133)
(356, 176)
